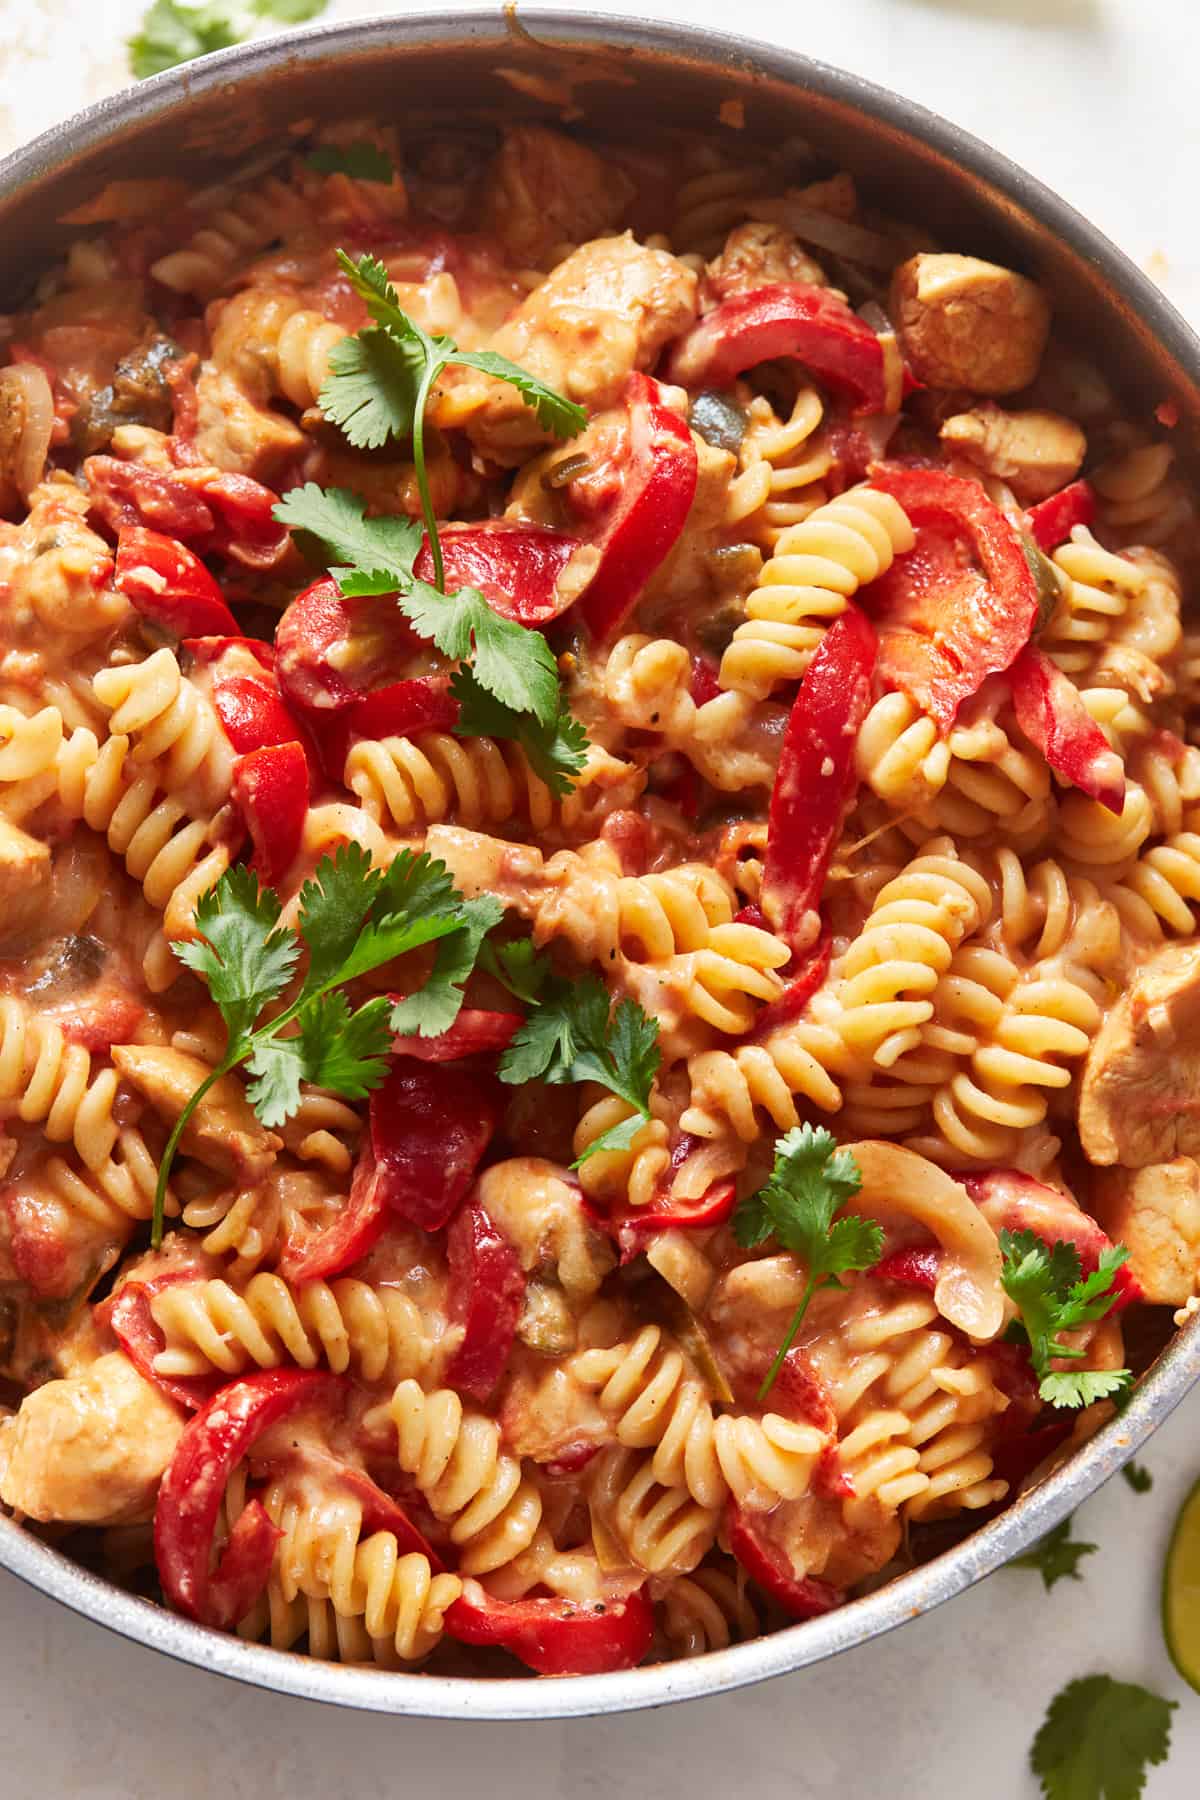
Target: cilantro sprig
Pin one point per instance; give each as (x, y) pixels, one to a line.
(380, 381)
(1047, 1284)
(1057, 1556)
(173, 32)
(811, 1181)
(352, 918)
(557, 751)
(1138, 1477)
(1098, 1739)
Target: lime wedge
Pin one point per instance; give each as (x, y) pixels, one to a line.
(1181, 1591)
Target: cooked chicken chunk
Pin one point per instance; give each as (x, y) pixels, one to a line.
(89, 1449)
(1036, 453)
(1138, 1098)
(757, 253)
(1155, 1211)
(223, 1131)
(605, 311)
(541, 1214)
(25, 877)
(235, 434)
(544, 189)
(969, 324)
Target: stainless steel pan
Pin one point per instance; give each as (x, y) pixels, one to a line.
(201, 120)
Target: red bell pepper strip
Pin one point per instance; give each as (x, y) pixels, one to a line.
(961, 604)
(658, 469)
(1010, 1200)
(475, 1032)
(1052, 521)
(239, 674)
(128, 494)
(330, 651)
(317, 1252)
(753, 1541)
(133, 1324)
(554, 1636)
(631, 1226)
(918, 1266)
(402, 709)
(487, 1291)
(203, 652)
(518, 568)
(799, 991)
(430, 1124)
(785, 318)
(815, 776)
(1051, 713)
(270, 789)
(169, 585)
(244, 524)
(214, 1441)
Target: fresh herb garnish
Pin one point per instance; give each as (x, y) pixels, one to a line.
(362, 161)
(811, 1180)
(556, 752)
(353, 918)
(574, 1034)
(173, 33)
(380, 381)
(1053, 1295)
(1098, 1739)
(1138, 1476)
(1057, 1556)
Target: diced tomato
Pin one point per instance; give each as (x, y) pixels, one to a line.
(270, 789)
(128, 495)
(961, 604)
(169, 585)
(657, 466)
(244, 525)
(132, 1322)
(402, 709)
(189, 1499)
(815, 776)
(487, 1291)
(330, 651)
(105, 1018)
(54, 1252)
(430, 1125)
(521, 570)
(919, 1266)
(1052, 521)
(1051, 713)
(475, 1032)
(632, 1226)
(756, 1542)
(318, 1252)
(554, 1636)
(785, 318)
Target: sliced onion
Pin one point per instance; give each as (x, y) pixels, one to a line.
(872, 314)
(813, 226)
(34, 399)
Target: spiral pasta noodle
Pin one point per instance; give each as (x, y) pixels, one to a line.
(240, 221)
(661, 1529)
(169, 724)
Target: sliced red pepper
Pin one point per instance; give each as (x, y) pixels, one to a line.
(554, 1636)
(475, 1032)
(753, 1539)
(402, 709)
(1052, 521)
(632, 1226)
(244, 524)
(133, 1324)
(169, 585)
(815, 776)
(330, 651)
(658, 468)
(800, 988)
(961, 604)
(785, 318)
(1010, 1200)
(519, 569)
(918, 1266)
(270, 789)
(128, 494)
(239, 675)
(318, 1252)
(203, 652)
(189, 1497)
(487, 1291)
(1051, 713)
(430, 1124)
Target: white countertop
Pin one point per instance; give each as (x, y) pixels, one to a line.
(1098, 97)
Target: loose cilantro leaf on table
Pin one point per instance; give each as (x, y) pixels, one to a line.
(1056, 1557)
(172, 33)
(362, 161)
(1139, 1477)
(1053, 1295)
(811, 1181)
(352, 918)
(1098, 1739)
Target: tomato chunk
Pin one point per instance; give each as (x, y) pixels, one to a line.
(1052, 521)
(317, 1252)
(270, 789)
(554, 1636)
(430, 1124)
(521, 570)
(169, 585)
(1051, 713)
(487, 1291)
(133, 1324)
(755, 1541)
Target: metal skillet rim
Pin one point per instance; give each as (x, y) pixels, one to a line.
(911, 1595)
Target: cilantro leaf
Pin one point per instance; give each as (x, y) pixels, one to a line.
(1083, 1387)
(517, 966)
(377, 554)
(513, 663)
(554, 412)
(369, 279)
(1138, 1476)
(556, 753)
(1098, 1739)
(371, 389)
(244, 954)
(1053, 1296)
(436, 1006)
(1056, 1557)
(625, 1058)
(811, 1181)
(362, 160)
(277, 1066)
(343, 1050)
(173, 33)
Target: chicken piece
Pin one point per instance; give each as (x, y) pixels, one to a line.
(605, 311)
(757, 253)
(89, 1449)
(969, 324)
(544, 189)
(25, 879)
(1036, 453)
(1138, 1097)
(223, 1132)
(1155, 1212)
(479, 864)
(539, 1209)
(236, 435)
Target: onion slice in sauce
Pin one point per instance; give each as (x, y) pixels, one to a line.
(26, 387)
